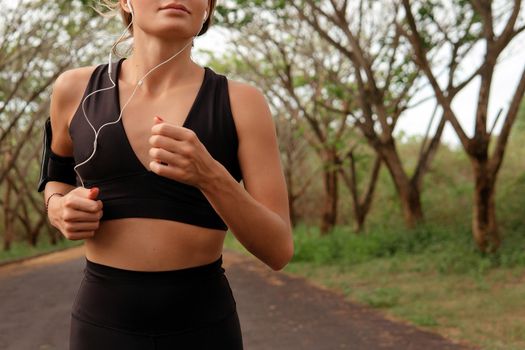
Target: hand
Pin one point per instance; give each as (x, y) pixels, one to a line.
(77, 214)
(178, 154)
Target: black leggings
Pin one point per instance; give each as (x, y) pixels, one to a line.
(189, 308)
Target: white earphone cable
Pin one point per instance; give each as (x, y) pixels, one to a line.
(139, 83)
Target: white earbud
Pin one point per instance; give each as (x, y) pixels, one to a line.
(128, 2)
(205, 16)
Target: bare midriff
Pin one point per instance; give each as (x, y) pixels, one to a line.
(145, 244)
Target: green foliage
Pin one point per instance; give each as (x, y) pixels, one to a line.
(435, 248)
(424, 320)
(21, 249)
(381, 297)
(68, 6)
(520, 122)
(444, 243)
(239, 13)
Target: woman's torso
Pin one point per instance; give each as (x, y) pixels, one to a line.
(149, 244)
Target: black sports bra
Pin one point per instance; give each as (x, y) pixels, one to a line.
(127, 188)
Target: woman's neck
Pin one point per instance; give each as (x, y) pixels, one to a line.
(147, 54)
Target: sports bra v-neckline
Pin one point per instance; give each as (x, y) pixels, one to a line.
(187, 120)
(127, 188)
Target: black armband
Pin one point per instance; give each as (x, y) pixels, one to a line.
(52, 166)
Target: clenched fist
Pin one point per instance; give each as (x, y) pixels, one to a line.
(77, 214)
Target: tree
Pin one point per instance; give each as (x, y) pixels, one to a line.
(38, 41)
(282, 60)
(494, 25)
(380, 85)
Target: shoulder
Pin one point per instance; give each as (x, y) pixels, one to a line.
(67, 92)
(70, 83)
(239, 91)
(71, 76)
(249, 107)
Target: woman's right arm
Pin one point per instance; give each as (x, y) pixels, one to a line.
(76, 214)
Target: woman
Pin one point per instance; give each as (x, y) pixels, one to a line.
(160, 193)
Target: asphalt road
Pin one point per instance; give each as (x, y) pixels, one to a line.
(277, 311)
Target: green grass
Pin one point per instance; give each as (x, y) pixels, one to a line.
(433, 277)
(24, 249)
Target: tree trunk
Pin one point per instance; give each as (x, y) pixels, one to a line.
(359, 220)
(291, 208)
(484, 224)
(8, 227)
(361, 204)
(408, 190)
(330, 171)
(412, 210)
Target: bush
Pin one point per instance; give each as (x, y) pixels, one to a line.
(439, 249)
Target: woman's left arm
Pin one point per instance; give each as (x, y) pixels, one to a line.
(258, 214)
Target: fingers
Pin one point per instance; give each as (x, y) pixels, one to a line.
(75, 236)
(81, 213)
(167, 158)
(80, 226)
(185, 149)
(81, 216)
(90, 193)
(172, 131)
(164, 142)
(82, 204)
(74, 229)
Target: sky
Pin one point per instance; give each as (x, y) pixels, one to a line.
(415, 121)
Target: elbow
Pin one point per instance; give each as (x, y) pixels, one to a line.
(283, 258)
